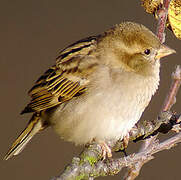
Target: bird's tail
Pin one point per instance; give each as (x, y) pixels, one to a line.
(34, 126)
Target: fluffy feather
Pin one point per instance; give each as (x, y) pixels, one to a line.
(98, 88)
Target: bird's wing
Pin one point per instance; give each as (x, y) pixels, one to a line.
(64, 80)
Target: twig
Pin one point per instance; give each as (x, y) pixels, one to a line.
(176, 82)
(112, 167)
(134, 169)
(162, 18)
(89, 163)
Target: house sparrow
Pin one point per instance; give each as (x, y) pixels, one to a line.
(98, 88)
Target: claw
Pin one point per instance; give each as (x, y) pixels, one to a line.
(106, 151)
(126, 141)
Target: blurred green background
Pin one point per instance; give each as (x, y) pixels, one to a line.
(31, 33)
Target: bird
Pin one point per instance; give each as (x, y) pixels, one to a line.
(98, 88)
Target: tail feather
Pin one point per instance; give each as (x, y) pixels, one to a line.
(33, 127)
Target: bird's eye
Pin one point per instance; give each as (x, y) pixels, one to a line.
(147, 51)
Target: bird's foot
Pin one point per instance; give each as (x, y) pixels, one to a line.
(126, 141)
(106, 151)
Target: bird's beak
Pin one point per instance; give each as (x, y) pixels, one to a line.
(164, 51)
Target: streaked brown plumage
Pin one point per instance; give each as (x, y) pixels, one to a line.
(98, 88)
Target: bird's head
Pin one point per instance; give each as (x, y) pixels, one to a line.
(133, 46)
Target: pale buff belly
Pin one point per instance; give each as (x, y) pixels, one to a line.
(109, 109)
(102, 116)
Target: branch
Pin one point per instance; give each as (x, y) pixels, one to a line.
(89, 164)
(175, 85)
(162, 18)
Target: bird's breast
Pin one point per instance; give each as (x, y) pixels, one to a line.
(108, 110)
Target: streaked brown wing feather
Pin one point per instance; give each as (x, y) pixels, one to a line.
(58, 84)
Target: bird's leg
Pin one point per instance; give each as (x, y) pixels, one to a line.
(106, 151)
(126, 141)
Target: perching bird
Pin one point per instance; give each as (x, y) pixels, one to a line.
(98, 88)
